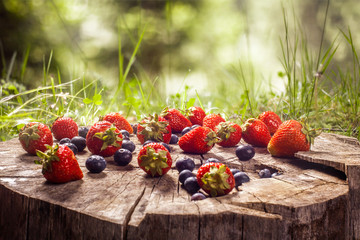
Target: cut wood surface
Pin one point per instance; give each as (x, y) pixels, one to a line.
(317, 196)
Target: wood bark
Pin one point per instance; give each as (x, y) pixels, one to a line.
(317, 196)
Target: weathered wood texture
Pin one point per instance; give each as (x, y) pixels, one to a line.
(312, 199)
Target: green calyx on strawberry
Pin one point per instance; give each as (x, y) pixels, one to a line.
(29, 133)
(215, 179)
(47, 158)
(224, 130)
(153, 129)
(211, 138)
(310, 133)
(110, 138)
(154, 161)
(35, 136)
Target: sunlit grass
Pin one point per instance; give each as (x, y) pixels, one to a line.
(329, 99)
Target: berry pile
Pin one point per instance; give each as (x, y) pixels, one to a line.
(192, 131)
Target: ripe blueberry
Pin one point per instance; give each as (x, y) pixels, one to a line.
(191, 185)
(129, 145)
(122, 157)
(184, 175)
(95, 164)
(83, 131)
(245, 152)
(79, 142)
(185, 163)
(174, 139)
(197, 196)
(265, 173)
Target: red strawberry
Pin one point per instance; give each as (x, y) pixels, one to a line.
(271, 120)
(215, 178)
(154, 128)
(199, 140)
(154, 159)
(118, 120)
(291, 137)
(64, 127)
(196, 115)
(103, 139)
(255, 132)
(229, 134)
(35, 136)
(212, 120)
(176, 119)
(59, 164)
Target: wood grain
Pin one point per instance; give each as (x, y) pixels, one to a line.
(316, 197)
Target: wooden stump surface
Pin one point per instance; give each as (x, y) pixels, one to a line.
(317, 196)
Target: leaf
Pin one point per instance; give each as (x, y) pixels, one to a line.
(190, 103)
(96, 97)
(87, 101)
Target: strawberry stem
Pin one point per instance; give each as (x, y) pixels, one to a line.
(215, 181)
(154, 161)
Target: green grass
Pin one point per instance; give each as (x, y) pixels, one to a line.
(329, 99)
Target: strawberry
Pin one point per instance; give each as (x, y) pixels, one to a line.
(59, 164)
(103, 139)
(195, 115)
(199, 140)
(118, 120)
(64, 127)
(255, 132)
(271, 120)
(212, 120)
(215, 178)
(154, 128)
(154, 159)
(35, 136)
(229, 134)
(292, 136)
(176, 119)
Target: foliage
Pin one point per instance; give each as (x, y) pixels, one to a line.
(314, 85)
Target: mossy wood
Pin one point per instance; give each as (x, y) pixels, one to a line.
(316, 197)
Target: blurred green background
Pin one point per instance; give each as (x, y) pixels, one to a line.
(195, 40)
(236, 56)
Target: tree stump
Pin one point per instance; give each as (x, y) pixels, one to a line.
(317, 196)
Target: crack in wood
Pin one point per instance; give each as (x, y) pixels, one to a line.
(130, 213)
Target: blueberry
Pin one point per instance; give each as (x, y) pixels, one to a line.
(215, 160)
(265, 173)
(185, 163)
(245, 152)
(122, 157)
(240, 178)
(147, 142)
(174, 139)
(79, 142)
(134, 127)
(95, 164)
(197, 196)
(166, 145)
(72, 147)
(64, 140)
(186, 130)
(125, 134)
(234, 171)
(191, 185)
(184, 175)
(195, 126)
(83, 131)
(129, 145)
